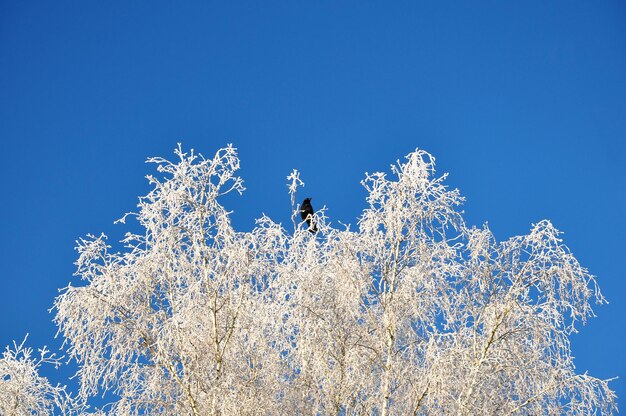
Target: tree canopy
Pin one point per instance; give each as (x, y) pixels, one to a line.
(413, 312)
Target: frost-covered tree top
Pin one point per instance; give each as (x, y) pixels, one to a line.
(24, 392)
(412, 313)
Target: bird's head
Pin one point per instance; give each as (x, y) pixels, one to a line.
(307, 200)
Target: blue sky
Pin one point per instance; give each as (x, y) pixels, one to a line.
(523, 103)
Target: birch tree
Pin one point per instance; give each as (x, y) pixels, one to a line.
(412, 312)
(24, 392)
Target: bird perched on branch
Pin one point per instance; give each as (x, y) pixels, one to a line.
(307, 213)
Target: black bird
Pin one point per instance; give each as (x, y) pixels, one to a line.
(306, 212)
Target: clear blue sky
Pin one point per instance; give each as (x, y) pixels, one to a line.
(524, 103)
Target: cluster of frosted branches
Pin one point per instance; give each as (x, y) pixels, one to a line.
(24, 392)
(412, 314)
